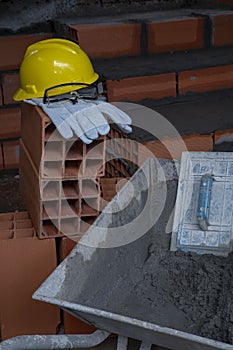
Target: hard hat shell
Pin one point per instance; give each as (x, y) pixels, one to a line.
(52, 62)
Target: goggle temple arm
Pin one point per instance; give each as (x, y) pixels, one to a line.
(73, 95)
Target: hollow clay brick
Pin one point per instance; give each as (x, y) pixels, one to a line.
(10, 83)
(139, 88)
(25, 262)
(209, 79)
(33, 117)
(72, 325)
(11, 154)
(52, 155)
(223, 29)
(172, 148)
(117, 39)
(175, 35)
(56, 205)
(30, 188)
(13, 48)
(10, 122)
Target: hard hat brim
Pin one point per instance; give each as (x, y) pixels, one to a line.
(21, 94)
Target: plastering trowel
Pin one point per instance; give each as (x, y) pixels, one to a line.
(203, 220)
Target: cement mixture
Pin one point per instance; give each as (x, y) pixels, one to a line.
(145, 280)
(189, 292)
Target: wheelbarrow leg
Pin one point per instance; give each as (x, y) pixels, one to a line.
(122, 343)
(145, 346)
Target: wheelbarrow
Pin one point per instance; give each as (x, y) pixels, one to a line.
(95, 282)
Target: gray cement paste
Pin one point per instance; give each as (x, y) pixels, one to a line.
(146, 281)
(194, 291)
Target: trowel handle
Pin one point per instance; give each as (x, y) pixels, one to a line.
(204, 201)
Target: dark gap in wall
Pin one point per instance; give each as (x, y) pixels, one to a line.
(207, 28)
(3, 158)
(177, 84)
(144, 38)
(1, 92)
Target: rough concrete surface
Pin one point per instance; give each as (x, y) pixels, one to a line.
(135, 66)
(194, 113)
(194, 291)
(10, 196)
(39, 15)
(21, 16)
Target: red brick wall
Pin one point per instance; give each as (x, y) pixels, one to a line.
(12, 51)
(124, 37)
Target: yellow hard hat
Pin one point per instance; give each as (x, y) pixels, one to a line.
(53, 62)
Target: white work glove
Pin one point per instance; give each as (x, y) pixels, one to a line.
(115, 114)
(85, 119)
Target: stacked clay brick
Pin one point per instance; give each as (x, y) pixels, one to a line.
(60, 179)
(25, 262)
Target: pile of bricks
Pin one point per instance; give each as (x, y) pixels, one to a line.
(60, 179)
(25, 262)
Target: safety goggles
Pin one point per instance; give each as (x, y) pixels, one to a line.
(88, 92)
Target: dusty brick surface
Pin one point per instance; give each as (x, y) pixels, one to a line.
(223, 29)
(10, 121)
(139, 88)
(26, 262)
(13, 48)
(109, 40)
(209, 79)
(10, 83)
(176, 35)
(11, 154)
(172, 148)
